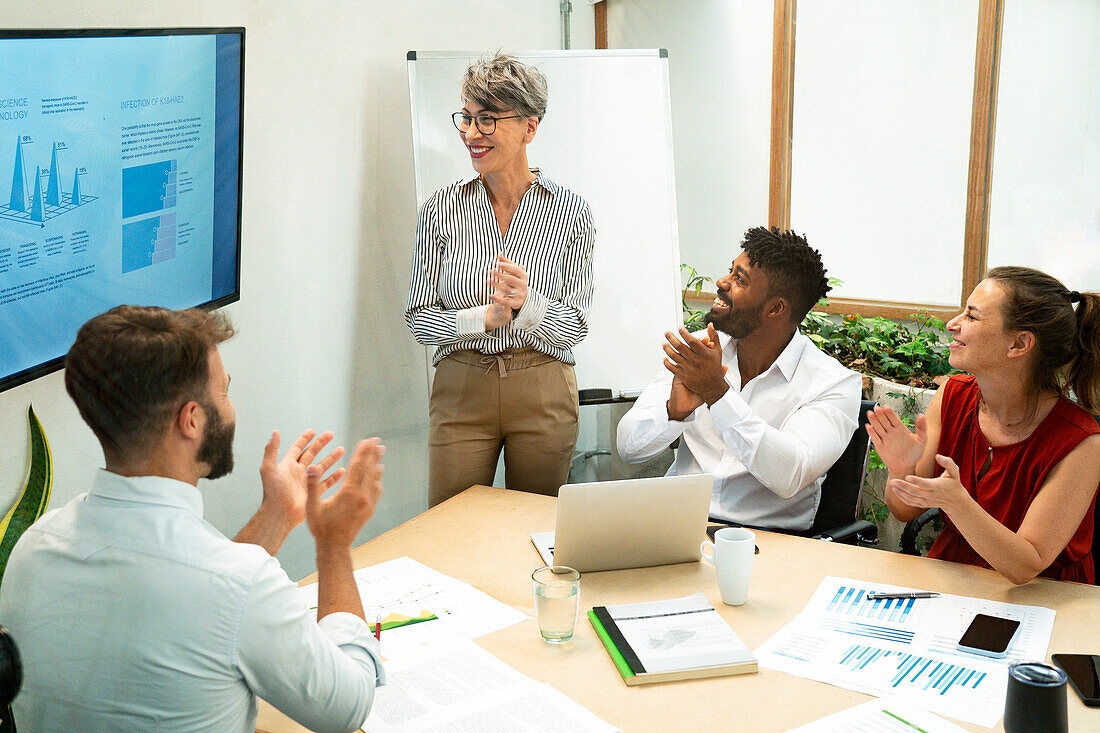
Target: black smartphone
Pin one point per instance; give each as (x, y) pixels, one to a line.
(990, 636)
(715, 527)
(1083, 671)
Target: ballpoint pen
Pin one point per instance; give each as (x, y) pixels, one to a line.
(911, 594)
(378, 628)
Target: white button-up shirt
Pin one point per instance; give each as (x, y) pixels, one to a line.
(132, 613)
(768, 443)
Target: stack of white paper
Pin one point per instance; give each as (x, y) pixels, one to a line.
(461, 687)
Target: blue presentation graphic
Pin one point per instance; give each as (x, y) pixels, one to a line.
(148, 188)
(28, 204)
(121, 152)
(148, 242)
(854, 602)
(914, 671)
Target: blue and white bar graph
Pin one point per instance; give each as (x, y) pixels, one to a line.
(905, 648)
(915, 671)
(852, 601)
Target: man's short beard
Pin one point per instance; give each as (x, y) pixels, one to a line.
(739, 322)
(216, 449)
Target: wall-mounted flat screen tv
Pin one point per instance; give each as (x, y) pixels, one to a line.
(120, 180)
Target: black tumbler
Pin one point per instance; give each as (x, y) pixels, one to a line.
(1036, 699)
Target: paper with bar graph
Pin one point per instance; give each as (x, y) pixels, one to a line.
(420, 606)
(904, 648)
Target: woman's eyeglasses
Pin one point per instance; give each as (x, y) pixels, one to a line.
(486, 123)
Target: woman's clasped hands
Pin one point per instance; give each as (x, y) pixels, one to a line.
(901, 449)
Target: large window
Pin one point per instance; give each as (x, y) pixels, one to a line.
(1045, 198)
(880, 143)
(1031, 195)
(916, 142)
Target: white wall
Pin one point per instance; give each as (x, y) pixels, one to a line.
(329, 214)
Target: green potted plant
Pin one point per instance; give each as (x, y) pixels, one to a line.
(31, 504)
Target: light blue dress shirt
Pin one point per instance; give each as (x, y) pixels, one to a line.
(132, 613)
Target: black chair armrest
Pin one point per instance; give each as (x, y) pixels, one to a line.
(913, 528)
(855, 532)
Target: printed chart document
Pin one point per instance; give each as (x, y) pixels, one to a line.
(904, 647)
(420, 606)
(461, 687)
(880, 716)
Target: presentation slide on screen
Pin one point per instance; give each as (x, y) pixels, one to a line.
(107, 179)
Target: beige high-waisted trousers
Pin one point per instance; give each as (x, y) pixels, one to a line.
(522, 400)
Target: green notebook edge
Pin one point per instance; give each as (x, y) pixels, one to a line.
(612, 650)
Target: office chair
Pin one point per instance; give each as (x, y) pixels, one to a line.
(836, 519)
(913, 528)
(11, 668)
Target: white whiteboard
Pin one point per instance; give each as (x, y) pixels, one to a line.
(607, 136)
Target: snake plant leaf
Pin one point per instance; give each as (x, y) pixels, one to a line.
(35, 497)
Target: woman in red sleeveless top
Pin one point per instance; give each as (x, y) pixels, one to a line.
(1011, 462)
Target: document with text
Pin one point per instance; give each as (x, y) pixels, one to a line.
(420, 607)
(461, 687)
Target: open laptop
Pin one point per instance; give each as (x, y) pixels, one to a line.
(635, 523)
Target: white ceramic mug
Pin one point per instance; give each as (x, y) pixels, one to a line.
(731, 554)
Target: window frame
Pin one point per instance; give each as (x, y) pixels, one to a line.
(980, 167)
(979, 175)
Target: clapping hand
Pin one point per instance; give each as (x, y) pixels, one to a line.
(898, 448)
(334, 521)
(509, 284)
(682, 401)
(697, 363)
(284, 481)
(940, 492)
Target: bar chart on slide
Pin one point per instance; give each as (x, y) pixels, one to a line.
(148, 241)
(148, 189)
(31, 202)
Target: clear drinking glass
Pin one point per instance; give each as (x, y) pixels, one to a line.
(557, 598)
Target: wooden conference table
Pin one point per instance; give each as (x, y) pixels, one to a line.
(482, 536)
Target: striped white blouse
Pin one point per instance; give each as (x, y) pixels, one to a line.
(551, 236)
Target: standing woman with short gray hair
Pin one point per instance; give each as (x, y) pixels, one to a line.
(501, 283)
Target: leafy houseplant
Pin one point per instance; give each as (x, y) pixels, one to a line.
(35, 496)
(28, 507)
(693, 318)
(882, 347)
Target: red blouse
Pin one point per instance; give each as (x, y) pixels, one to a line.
(1018, 471)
